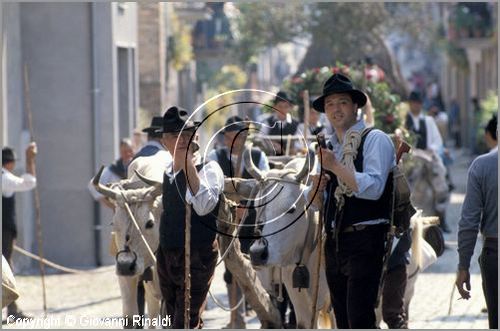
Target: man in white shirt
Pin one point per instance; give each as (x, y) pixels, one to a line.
(187, 184)
(429, 139)
(424, 126)
(11, 184)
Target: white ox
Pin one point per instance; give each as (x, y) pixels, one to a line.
(289, 231)
(133, 257)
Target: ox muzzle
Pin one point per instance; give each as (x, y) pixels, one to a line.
(126, 262)
(259, 252)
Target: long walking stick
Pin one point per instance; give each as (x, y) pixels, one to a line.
(307, 111)
(318, 266)
(238, 171)
(38, 222)
(187, 266)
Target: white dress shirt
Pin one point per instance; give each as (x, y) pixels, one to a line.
(211, 186)
(434, 139)
(12, 183)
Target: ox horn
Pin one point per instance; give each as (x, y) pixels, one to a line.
(249, 165)
(148, 181)
(104, 190)
(305, 169)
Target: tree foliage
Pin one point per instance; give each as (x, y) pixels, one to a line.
(345, 32)
(264, 24)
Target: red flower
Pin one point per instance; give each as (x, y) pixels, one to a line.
(335, 70)
(389, 118)
(316, 70)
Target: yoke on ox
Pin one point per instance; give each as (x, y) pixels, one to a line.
(136, 227)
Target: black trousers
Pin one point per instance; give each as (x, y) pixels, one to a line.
(488, 260)
(393, 310)
(171, 274)
(8, 238)
(353, 275)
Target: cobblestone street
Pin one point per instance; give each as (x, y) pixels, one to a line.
(95, 295)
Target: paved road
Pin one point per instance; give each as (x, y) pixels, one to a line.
(90, 297)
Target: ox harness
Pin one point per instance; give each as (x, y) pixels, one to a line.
(301, 275)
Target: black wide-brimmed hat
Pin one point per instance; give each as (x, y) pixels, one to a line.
(176, 119)
(281, 96)
(234, 123)
(339, 83)
(415, 96)
(156, 123)
(8, 155)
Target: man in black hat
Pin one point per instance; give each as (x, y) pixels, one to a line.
(356, 166)
(198, 187)
(235, 133)
(154, 143)
(429, 139)
(428, 136)
(281, 123)
(11, 184)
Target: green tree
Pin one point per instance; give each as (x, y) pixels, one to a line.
(345, 32)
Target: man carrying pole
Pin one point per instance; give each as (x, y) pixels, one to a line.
(11, 184)
(189, 189)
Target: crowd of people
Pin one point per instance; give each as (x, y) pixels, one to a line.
(354, 193)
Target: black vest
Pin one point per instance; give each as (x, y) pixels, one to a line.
(421, 133)
(227, 166)
(9, 214)
(173, 223)
(282, 128)
(358, 210)
(119, 169)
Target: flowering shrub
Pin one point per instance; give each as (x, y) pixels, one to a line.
(388, 113)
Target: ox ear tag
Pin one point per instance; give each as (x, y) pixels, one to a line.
(300, 277)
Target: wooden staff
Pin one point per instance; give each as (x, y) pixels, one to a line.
(187, 266)
(38, 223)
(318, 266)
(237, 174)
(307, 111)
